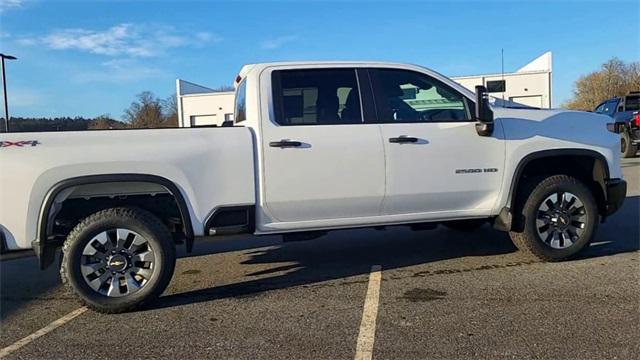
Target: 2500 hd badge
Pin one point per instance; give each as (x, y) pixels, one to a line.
(474, 171)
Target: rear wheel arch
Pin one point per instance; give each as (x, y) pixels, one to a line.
(46, 251)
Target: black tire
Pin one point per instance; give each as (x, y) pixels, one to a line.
(526, 238)
(140, 221)
(465, 225)
(627, 149)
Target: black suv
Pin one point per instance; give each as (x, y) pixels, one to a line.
(625, 111)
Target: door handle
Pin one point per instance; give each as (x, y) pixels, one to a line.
(285, 144)
(403, 139)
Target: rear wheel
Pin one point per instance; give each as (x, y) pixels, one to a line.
(118, 259)
(558, 218)
(627, 149)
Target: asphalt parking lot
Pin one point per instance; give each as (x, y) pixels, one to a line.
(442, 294)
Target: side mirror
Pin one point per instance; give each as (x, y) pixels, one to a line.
(483, 114)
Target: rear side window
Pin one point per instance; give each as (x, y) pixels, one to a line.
(316, 97)
(240, 113)
(632, 103)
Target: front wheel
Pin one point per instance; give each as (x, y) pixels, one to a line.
(559, 216)
(118, 259)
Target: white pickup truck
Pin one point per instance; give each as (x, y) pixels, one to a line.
(315, 146)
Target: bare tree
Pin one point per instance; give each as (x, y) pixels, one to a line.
(146, 112)
(224, 88)
(170, 111)
(615, 78)
(104, 122)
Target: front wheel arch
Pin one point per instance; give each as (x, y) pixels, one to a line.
(589, 166)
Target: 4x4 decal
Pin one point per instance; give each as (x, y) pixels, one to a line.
(4, 144)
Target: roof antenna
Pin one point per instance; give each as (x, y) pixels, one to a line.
(502, 71)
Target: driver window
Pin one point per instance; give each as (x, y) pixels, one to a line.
(405, 96)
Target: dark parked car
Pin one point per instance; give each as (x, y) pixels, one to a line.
(625, 111)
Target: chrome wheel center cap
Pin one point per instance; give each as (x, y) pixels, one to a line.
(118, 262)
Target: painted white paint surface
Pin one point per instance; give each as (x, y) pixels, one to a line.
(339, 179)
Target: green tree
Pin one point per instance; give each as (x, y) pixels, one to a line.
(615, 78)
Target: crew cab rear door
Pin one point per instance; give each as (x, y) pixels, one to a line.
(321, 160)
(436, 163)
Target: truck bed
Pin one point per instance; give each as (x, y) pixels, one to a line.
(188, 157)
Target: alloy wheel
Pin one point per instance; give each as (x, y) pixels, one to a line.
(561, 220)
(117, 262)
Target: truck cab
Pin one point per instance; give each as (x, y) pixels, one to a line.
(340, 146)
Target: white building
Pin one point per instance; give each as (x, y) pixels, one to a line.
(202, 106)
(530, 85)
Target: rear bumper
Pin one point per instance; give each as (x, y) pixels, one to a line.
(616, 192)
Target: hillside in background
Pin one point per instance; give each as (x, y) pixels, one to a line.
(20, 124)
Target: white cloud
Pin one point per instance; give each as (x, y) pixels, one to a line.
(278, 42)
(10, 4)
(117, 40)
(207, 37)
(123, 40)
(25, 41)
(119, 71)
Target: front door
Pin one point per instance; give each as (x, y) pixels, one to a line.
(322, 161)
(436, 163)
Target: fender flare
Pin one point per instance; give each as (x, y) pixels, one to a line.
(504, 219)
(46, 250)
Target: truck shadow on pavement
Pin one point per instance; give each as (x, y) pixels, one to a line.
(339, 255)
(21, 281)
(349, 253)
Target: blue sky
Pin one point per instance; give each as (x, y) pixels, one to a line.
(88, 58)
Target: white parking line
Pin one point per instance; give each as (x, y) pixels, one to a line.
(45, 330)
(366, 337)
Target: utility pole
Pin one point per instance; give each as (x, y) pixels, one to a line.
(4, 86)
